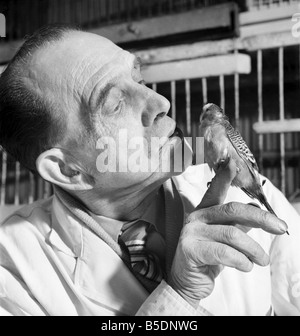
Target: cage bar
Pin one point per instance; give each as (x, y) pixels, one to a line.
(222, 92)
(31, 196)
(188, 107)
(47, 189)
(260, 105)
(204, 91)
(173, 99)
(3, 177)
(282, 117)
(17, 183)
(237, 99)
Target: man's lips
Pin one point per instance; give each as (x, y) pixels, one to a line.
(173, 134)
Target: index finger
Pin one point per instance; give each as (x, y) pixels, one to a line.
(217, 192)
(245, 215)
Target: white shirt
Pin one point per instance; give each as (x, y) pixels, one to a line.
(52, 264)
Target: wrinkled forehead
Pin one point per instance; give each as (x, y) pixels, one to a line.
(96, 60)
(80, 60)
(95, 51)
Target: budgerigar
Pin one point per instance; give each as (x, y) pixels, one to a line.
(222, 142)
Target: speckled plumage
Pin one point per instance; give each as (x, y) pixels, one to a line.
(222, 141)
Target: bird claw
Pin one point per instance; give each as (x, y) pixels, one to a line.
(223, 163)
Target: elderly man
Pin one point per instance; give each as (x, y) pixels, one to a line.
(127, 241)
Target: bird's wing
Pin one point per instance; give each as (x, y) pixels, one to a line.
(241, 147)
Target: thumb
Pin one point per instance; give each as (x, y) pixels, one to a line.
(218, 189)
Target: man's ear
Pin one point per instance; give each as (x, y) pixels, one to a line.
(54, 167)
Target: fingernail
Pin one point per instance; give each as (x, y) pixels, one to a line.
(283, 227)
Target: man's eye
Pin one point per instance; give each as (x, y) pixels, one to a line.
(118, 107)
(142, 82)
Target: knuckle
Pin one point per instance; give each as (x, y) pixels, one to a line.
(231, 208)
(194, 226)
(195, 216)
(230, 234)
(190, 219)
(189, 229)
(190, 236)
(221, 253)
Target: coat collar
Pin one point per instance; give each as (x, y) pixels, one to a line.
(66, 231)
(100, 273)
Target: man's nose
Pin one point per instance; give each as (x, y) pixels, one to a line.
(157, 107)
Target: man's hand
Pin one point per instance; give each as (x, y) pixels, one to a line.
(215, 236)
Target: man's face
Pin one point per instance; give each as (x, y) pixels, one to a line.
(96, 83)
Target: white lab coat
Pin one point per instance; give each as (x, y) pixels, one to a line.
(52, 264)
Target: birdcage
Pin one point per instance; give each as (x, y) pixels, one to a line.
(257, 82)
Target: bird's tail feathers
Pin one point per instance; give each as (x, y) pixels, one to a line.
(262, 199)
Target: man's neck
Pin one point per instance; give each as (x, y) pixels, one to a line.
(128, 207)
